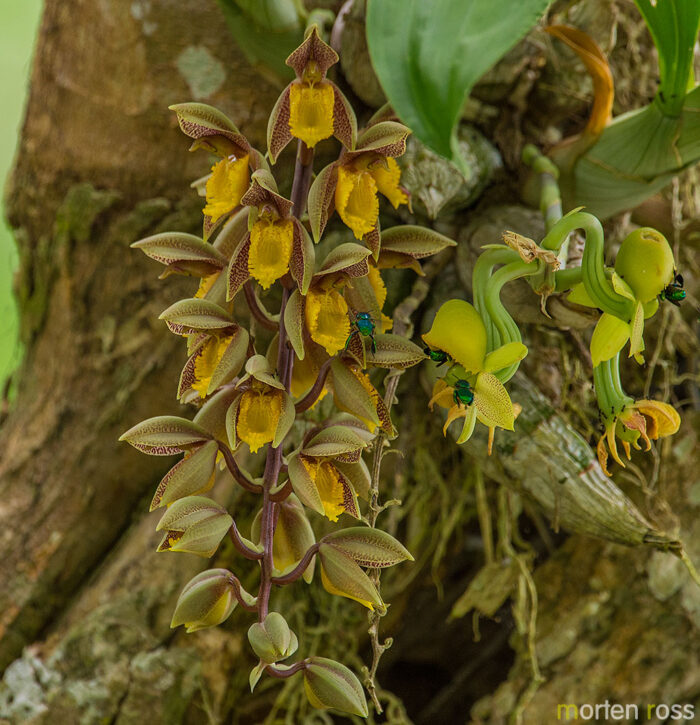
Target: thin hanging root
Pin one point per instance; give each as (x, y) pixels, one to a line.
(505, 540)
(484, 514)
(689, 566)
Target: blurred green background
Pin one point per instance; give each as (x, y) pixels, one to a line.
(19, 22)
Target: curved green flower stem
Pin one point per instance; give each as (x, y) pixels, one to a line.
(235, 471)
(312, 396)
(283, 674)
(299, 569)
(565, 279)
(235, 536)
(237, 591)
(256, 309)
(481, 274)
(608, 388)
(551, 209)
(285, 362)
(505, 325)
(593, 264)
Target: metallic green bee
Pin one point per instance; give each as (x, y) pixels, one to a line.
(674, 292)
(463, 393)
(363, 325)
(437, 356)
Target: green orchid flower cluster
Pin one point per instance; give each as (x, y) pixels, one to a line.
(254, 375)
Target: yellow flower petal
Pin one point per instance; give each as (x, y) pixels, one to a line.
(304, 374)
(270, 250)
(636, 334)
(504, 356)
(329, 486)
(205, 284)
(579, 296)
(442, 395)
(327, 320)
(388, 179)
(205, 364)
(662, 419)
(609, 337)
(311, 112)
(258, 415)
(356, 200)
(492, 401)
(228, 182)
(459, 331)
(375, 279)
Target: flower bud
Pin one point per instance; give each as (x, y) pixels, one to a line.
(272, 640)
(206, 601)
(645, 262)
(329, 684)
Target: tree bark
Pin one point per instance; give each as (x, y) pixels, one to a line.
(86, 603)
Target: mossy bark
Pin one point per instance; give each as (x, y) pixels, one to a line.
(86, 603)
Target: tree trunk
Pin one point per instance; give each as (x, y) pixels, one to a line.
(86, 603)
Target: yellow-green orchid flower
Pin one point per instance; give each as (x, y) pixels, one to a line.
(645, 419)
(470, 389)
(643, 268)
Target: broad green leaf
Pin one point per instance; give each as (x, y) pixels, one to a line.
(334, 441)
(428, 55)
(673, 25)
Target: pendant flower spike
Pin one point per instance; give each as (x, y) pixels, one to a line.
(311, 108)
(276, 243)
(216, 133)
(471, 389)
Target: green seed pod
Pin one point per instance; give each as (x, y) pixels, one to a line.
(329, 684)
(645, 262)
(272, 640)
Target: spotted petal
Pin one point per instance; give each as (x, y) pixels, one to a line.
(492, 401)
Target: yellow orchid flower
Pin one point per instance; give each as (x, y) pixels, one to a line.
(228, 182)
(644, 266)
(276, 244)
(351, 184)
(264, 412)
(311, 108)
(259, 413)
(327, 320)
(359, 181)
(334, 490)
(645, 419)
(470, 389)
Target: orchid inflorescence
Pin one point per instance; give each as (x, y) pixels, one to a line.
(254, 383)
(254, 377)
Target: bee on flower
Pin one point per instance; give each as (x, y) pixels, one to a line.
(470, 389)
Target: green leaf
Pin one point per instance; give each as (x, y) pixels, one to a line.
(428, 55)
(267, 31)
(673, 25)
